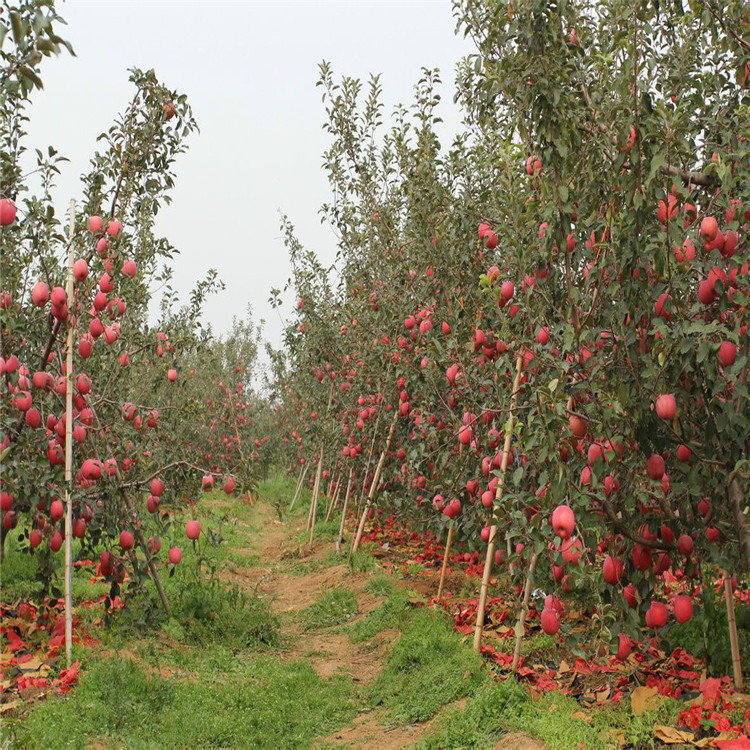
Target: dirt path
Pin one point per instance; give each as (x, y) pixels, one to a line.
(291, 577)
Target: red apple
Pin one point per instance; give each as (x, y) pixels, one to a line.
(550, 621)
(56, 510)
(7, 212)
(686, 545)
(613, 570)
(666, 405)
(40, 294)
(727, 353)
(563, 521)
(683, 609)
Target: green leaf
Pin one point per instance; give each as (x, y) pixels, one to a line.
(17, 25)
(27, 72)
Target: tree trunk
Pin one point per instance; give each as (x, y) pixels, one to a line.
(737, 503)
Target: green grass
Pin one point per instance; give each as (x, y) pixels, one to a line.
(362, 561)
(302, 568)
(266, 703)
(481, 723)
(335, 607)
(498, 708)
(393, 613)
(381, 585)
(323, 531)
(539, 645)
(429, 666)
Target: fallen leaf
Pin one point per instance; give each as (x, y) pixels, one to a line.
(732, 743)
(643, 698)
(671, 735)
(9, 706)
(563, 668)
(581, 716)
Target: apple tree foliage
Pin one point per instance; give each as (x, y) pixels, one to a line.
(590, 218)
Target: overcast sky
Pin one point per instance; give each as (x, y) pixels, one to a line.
(249, 70)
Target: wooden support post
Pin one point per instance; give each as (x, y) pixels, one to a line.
(316, 490)
(300, 483)
(343, 512)
(69, 445)
(314, 503)
(445, 562)
(334, 498)
(521, 624)
(374, 485)
(490, 557)
(732, 622)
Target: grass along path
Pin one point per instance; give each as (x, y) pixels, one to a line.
(288, 648)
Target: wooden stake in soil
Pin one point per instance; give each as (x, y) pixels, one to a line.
(445, 562)
(69, 447)
(300, 483)
(489, 559)
(334, 498)
(314, 503)
(316, 489)
(521, 624)
(343, 512)
(361, 495)
(374, 485)
(733, 642)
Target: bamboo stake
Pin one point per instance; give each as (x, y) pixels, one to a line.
(300, 483)
(489, 559)
(521, 624)
(69, 447)
(733, 642)
(334, 499)
(343, 512)
(375, 482)
(316, 489)
(314, 503)
(361, 495)
(445, 562)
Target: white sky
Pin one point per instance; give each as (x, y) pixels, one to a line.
(249, 70)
